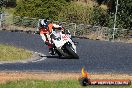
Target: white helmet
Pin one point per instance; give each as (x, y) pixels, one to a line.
(44, 23)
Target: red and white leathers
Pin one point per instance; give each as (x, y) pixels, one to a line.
(51, 26)
(44, 33)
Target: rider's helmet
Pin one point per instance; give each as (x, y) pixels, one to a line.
(60, 24)
(44, 23)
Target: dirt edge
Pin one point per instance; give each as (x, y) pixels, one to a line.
(51, 76)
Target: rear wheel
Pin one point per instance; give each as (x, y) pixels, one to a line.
(59, 54)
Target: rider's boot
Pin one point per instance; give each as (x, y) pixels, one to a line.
(46, 42)
(51, 51)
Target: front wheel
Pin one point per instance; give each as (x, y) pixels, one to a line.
(71, 52)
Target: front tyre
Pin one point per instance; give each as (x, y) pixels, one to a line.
(71, 52)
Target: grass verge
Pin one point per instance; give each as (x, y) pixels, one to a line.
(51, 84)
(53, 80)
(11, 53)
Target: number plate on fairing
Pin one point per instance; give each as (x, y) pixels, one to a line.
(65, 37)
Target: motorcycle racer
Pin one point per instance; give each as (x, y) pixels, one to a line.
(44, 33)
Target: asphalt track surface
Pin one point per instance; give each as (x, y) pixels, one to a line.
(95, 56)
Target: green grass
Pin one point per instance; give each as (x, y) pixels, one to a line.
(10, 53)
(9, 18)
(51, 84)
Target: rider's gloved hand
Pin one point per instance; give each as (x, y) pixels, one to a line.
(63, 32)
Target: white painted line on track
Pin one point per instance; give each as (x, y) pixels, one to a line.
(42, 59)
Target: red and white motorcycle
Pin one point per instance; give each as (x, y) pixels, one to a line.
(63, 44)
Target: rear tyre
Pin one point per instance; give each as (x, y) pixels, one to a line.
(59, 54)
